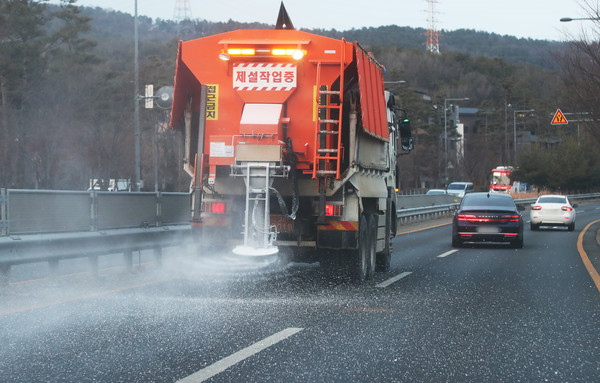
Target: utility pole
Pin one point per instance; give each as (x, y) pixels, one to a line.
(136, 99)
(446, 136)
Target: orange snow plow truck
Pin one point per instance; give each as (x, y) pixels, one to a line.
(291, 141)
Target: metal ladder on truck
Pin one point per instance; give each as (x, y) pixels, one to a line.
(328, 123)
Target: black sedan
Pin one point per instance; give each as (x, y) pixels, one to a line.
(487, 217)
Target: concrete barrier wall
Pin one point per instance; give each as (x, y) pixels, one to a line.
(52, 211)
(175, 208)
(34, 211)
(122, 210)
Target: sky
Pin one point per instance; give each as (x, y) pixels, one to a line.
(536, 19)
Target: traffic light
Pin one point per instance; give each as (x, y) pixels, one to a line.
(406, 140)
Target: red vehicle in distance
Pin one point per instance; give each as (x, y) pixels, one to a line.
(501, 180)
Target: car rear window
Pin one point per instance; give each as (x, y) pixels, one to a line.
(483, 200)
(552, 200)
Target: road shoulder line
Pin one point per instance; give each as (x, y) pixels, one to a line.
(584, 257)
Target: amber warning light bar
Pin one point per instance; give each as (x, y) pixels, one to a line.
(295, 53)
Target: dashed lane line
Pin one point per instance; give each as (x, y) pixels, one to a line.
(398, 277)
(447, 253)
(225, 363)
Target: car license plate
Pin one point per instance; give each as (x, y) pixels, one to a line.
(284, 224)
(488, 229)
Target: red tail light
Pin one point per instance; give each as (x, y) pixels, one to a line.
(218, 207)
(511, 218)
(536, 207)
(473, 218)
(214, 207)
(333, 210)
(566, 208)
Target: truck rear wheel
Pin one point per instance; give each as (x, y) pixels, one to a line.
(372, 246)
(384, 258)
(360, 257)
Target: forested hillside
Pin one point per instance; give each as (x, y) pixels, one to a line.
(67, 111)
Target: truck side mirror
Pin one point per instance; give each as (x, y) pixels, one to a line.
(406, 140)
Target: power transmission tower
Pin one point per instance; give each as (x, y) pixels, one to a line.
(183, 10)
(433, 36)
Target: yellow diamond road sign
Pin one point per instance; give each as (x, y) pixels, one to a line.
(559, 118)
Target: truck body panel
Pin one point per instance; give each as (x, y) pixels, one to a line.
(289, 141)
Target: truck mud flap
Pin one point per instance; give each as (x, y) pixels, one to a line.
(338, 235)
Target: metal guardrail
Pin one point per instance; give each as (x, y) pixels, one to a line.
(49, 226)
(52, 248)
(111, 223)
(36, 248)
(418, 214)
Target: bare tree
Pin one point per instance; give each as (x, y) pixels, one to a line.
(581, 66)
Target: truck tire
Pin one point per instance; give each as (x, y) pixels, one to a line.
(384, 258)
(372, 246)
(359, 258)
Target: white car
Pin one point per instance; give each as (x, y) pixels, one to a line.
(459, 189)
(436, 192)
(553, 210)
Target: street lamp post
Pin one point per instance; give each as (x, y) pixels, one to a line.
(515, 131)
(567, 19)
(446, 136)
(398, 82)
(136, 113)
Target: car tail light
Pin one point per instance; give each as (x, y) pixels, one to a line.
(474, 218)
(566, 208)
(536, 207)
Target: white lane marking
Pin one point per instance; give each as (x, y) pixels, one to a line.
(447, 253)
(398, 277)
(225, 363)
